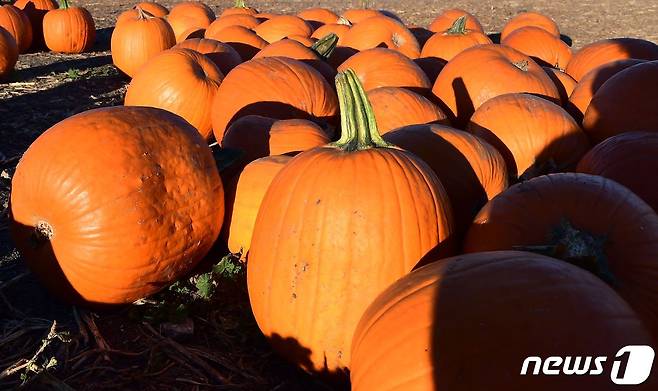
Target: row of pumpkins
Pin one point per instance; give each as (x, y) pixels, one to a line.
(390, 198)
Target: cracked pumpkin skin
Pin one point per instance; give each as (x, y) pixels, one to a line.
(126, 199)
(585, 219)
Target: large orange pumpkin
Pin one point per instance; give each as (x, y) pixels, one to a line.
(534, 136)
(382, 31)
(35, 11)
(240, 8)
(282, 26)
(382, 67)
(530, 19)
(466, 82)
(447, 44)
(587, 220)
(317, 17)
(182, 81)
(438, 327)
(541, 45)
(447, 18)
(330, 218)
(471, 170)
(395, 107)
(624, 103)
(565, 85)
(245, 41)
(113, 238)
(152, 8)
(189, 16)
(138, 39)
(298, 91)
(8, 52)
(243, 20)
(16, 22)
(608, 50)
(69, 29)
(222, 54)
(357, 15)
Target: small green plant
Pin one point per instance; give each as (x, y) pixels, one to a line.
(73, 74)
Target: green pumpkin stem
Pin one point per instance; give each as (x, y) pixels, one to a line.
(63, 4)
(240, 4)
(458, 27)
(358, 125)
(325, 46)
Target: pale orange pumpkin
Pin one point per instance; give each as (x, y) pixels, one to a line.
(189, 15)
(534, 19)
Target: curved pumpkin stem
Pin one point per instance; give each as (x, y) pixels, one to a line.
(63, 4)
(143, 14)
(458, 26)
(358, 124)
(240, 4)
(343, 20)
(325, 46)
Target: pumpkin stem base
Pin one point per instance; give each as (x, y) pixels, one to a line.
(42, 233)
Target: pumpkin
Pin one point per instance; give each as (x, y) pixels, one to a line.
(317, 17)
(15, 21)
(69, 29)
(465, 83)
(624, 93)
(382, 32)
(437, 327)
(240, 8)
(152, 8)
(281, 26)
(246, 42)
(258, 136)
(582, 94)
(339, 29)
(330, 217)
(470, 169)
(298, 91)
(565, 84)
(306, 41)
(189, 16)
(530, 19)
(8, 52)
(315, 56)
(263, 16)
(35, 11)
(243, 20)
(447, 44)
(146, 32)
(447, 18)
(608, 50)
(587, 220)
(629, 159)
(223, 55)
(534, 136)
(358, 15)
(431, 66)
(182, 81)
(541, 45)
(382, 67)
(254, 181)
(117, 237)
(192, 33)
(395, 107)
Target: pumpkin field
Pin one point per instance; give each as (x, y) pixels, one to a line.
(328, 195)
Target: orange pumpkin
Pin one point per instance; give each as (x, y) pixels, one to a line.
(35, 11)
(395, 107)
(382, 32)
(152, 8)
(339, 29)
(449, 317)
(8, 52)
(470, 169)
(447, 44)
(114, 238)
(358, 15)
(152, 35)
(530, 19)
(465, 83)
(298, 91)
(447, 18)
(69, 29)
(181, 81)
(381, 67)
(240, 8)
(263, 16)
(582, 94)
(625, 93)
(317, 17)
(243, 20)
(600, 226)
(333, 234)
(306, 41)
(223, 55)
(541, 45)
(608, 50)
(534, 136)
(281, 26)
(189, 15)
(15, 21)
(565, 84)
(246, 42)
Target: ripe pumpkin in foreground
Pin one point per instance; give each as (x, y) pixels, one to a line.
(115, 237)
(469, 322)
(332, 217)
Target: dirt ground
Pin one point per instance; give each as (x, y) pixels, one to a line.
(179, 340)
